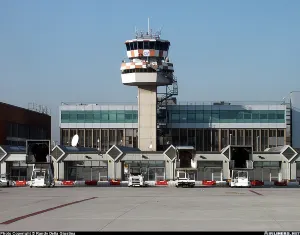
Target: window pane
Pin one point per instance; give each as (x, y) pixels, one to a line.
(120, 116)
(112, 116)
(140, 45)
(146, 45)
(104, 116)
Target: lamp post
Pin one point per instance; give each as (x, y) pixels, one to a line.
(98, 144)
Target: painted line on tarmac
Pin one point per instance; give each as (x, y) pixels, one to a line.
(44, 211)
(252, 191)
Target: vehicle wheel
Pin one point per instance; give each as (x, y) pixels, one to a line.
(30, 186)
(7, 184)
(192, 186)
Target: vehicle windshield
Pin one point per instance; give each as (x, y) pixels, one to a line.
(243, 174)
(38, 174)
(235, 175)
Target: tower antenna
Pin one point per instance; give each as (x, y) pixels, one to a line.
(148, 26)
(160, 30)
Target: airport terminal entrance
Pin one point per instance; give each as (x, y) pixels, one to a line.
(151, 170)
(265, 171)
(18, 170)
(86, 170)
(210, 170)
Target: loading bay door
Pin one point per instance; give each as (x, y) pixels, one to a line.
(266, 171)
(210, 170)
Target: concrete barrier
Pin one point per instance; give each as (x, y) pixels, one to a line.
(171, 183)
(20, 183)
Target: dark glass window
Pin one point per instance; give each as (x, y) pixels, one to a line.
(151, 45)
(146, 45)
(164, 46)
(140, 45)
(158, 45)
(131, 46)
(127, 46)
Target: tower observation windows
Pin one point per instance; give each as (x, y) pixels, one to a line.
(140, 45)
(142, 70)
(148, 45)
(151, 45)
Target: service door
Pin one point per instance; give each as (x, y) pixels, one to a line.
(217, 174)
(210, 173)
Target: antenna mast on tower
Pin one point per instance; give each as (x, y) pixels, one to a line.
(148, 26)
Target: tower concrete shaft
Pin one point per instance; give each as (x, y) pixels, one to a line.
(147, 115)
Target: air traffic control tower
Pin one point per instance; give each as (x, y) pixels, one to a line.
(149, 68)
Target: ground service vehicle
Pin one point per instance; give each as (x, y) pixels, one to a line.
(240, 179)
(186, 166)
(185, 179)
(42, 176)
(136, 180)
(241, 163)
(5, 181)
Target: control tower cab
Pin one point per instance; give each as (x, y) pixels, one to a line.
(148, 68)
(149, 63)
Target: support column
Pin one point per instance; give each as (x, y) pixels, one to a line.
(3, 167)
(220, 139)
(147, 123)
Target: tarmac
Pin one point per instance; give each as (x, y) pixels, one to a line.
(149, 209)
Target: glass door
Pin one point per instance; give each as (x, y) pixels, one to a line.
(159, 173)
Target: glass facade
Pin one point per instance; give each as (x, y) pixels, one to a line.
(177, 115)
(16, 134)
(101, 139)
(201, 139)
(151, 170)
(204, 138)
(86, 170)
(99, 116)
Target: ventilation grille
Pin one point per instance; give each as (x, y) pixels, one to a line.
(171, 153)
(114, 153)
(56, 153)
(288, 153)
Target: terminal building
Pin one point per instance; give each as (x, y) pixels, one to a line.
(16, 126)
(144, 136)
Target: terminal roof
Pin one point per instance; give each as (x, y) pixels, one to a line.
(125, 149)
(13, 149)
(71, 149)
